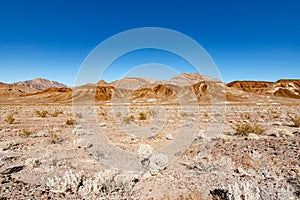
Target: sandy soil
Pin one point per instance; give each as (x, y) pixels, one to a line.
(165, 152)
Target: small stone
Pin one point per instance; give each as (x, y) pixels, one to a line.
(252, 136)
(158, 162)
(41, 134)
(102, 124)
(56, 130)
(241, 171)
(284, 133)
(78, 126)
(145, 149)
(81, 142)
(169, 136)
(80, 132)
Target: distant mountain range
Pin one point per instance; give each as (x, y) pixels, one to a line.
(34, 85)
(183, 88)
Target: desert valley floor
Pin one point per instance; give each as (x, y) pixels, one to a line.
(46, 152)
(190, 137)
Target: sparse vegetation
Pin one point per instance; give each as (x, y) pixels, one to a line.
(118, 114)
(296, 121)
(276, 116)
(78, 115)
(246, 116)
(26, 133)
(54, 138)
(206, 115)
(56, 113)
(128, 119)
(142, 116)
(103, 113)
(187, 114)
(70, 122)
(10, 119)
(247, 128)
(152, 112)
(42, 113)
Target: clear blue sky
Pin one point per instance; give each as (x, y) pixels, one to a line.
(256, 40)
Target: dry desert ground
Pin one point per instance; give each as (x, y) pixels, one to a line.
(54, 151)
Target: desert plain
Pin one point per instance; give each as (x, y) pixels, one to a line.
(187, 138)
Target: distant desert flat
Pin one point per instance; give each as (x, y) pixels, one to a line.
(241, 138)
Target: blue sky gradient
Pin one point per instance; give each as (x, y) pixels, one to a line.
(248, 40)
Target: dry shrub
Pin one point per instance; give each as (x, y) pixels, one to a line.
(10, 119)
(42, 113)
(142, 116)
(128, 119)
(109, 184)
(54, 138)
(79, 115)
(26, 133)
(70, 122)
(296, 121)
(247, 128)
(56, 113)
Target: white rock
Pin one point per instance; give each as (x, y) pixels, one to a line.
(284, 133)
(169, 136)
(80, 132)
(78, 126)
(277, 123)
(102, 124)
(157, 162)
(145, 149)
(83, 143)
(253, 136)
(56, 130)
(41, 134)
(200, 134)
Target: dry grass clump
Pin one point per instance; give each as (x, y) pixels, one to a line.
(142, 116)
(246, 116)
(70, 122)
(247, 128)
(78, 115)
(54, 138)
(103, 113)
(119, 114)
(152, 112)
(296, 121)
(128, 119)
(56, 113)
(26, 133)
(42, 113)
(10, 119)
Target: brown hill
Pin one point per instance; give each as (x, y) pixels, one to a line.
(183, 88)
(281, 88)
